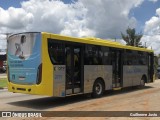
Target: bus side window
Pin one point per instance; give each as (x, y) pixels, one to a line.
(93, 55)
(129, 55)
(107, 56)
(142, 58)
(124, 58)
(88, 52)
(100, 55)
(97, 55)
(56, 52)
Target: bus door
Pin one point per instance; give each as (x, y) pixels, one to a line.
(74, 69)
(117, 68)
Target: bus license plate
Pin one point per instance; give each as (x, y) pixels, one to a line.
(21, 78)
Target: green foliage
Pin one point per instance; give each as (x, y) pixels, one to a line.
(132, 38)
(3, 82)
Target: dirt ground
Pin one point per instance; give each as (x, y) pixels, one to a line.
(129, 99)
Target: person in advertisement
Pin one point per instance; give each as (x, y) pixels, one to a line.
(19, 47)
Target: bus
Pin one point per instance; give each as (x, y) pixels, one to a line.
(48, 64)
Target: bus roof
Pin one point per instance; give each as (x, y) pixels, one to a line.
(95, 41)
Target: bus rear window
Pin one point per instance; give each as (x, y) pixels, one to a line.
(56, 52)
(21, 45)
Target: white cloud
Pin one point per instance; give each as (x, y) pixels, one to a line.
(15, 18)
(57, 17)
(152, 41)
(100, 18)
(108, 18)
(158, 12)
(85, 17)
(153, 0)
(152, 32)
(152, 26)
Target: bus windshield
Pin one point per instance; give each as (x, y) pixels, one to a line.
(24, 57)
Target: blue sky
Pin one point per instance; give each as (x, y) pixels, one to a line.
(144, 12)
(10, 3)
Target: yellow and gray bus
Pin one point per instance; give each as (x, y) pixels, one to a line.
(55, 65)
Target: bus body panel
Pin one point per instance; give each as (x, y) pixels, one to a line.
(93, 72)
(47, 67)
(59, 80)
(45, 87)
(132, 75)
(24, 57)
(28, 89)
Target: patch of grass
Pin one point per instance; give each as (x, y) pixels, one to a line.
(3, 82)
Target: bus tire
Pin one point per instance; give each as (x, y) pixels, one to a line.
(98, 88)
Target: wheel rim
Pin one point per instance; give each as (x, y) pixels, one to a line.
(98, 88)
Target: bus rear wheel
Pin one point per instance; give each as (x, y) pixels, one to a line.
(142, 84)
(98, 89)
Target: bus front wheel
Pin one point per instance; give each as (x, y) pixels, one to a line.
(98, 89)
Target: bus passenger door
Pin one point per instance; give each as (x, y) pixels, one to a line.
(117, 68)
(74, 69)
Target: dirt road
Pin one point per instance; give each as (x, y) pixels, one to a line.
(144, 99)
(133, 99)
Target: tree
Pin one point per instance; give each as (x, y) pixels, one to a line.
(132, 38)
